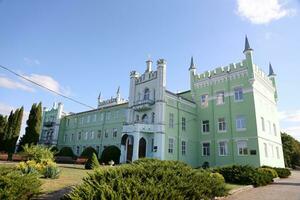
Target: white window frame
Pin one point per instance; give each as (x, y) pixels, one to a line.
(238, 94)
(240, 123)
(183, 147)
(115, 132)
(242, 147)
(220, 97)
(206, 150)
(204, 100)
(171, 120)
(263, 128)
(86, 135)
(92, 135)
(225, 151)
(205, 127)
(222, 124)
(171, 143)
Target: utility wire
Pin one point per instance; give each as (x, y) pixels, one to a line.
(40, 85)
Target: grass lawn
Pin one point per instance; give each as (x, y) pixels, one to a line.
(70, 175)
(233, 186)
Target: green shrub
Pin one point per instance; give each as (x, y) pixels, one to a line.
(150, 179)
(111, 153)
(88, 152)
(271, 171)
(66, 151)
(247, 175)
(51, 171)
(38, 153)
(282, 172)
(17, 186)
(54, 150)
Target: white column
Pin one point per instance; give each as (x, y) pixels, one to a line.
(135, 152)
(123, 154)
(159, 141)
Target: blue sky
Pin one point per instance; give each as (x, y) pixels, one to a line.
(80, 48)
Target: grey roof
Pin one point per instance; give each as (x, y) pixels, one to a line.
(271, 71)
(247, 45)
(192, 66)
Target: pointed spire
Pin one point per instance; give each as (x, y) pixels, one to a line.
(192, 66)
(271, 72)
(99, 97)
(247, 45)
(118, 90)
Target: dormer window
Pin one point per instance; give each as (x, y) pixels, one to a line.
(146, 94)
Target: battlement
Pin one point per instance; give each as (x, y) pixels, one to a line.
(261, 74)
(233, 67)
(147, 76)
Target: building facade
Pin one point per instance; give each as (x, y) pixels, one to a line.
(229, 116)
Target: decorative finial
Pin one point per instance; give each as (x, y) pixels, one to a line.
(192, 65)
(271, 71)
(247, 45)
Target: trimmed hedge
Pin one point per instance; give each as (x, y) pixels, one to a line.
(88, 152)
(281, 172)
(17, 186)
(110, 153)
(150, 179)
(66, 151)
(246, 175)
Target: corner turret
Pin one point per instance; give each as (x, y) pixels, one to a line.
(272, 76)
(248, 51)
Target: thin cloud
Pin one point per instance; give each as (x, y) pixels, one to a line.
(290, 116)
(11, 84)
(263, 11)
(293, 131)
(31, 61)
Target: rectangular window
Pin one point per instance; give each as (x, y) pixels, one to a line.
(115, 132)
(72, 137)
(204, 100)
(77, 150)
(183, 124)
(220, 97)
(274, 129)
(65, 137)
(92, 135)
(238, 94)
(171, 145)
(242, 148)
(152, 144)
(272, 149)
(223, 148)
(88, 119)
(79, 136)
(86, 135)
(99, 134)
(262, 124)
(183, 147)
(106, 133)
(266, 149)
(206, 149)
(277, 152)
(222, 124)
(269, 127)
(205, 126)
(240, 123)
(171, 120)
(94, 118)
(108, 115)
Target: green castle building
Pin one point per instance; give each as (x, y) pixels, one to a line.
(229, 116)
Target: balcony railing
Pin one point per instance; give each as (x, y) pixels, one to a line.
(143, 105)
(49, 124)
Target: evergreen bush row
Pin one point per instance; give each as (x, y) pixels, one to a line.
(248, 175)
(15, 185)
(150, 179)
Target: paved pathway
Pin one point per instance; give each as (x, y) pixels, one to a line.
(281, 189)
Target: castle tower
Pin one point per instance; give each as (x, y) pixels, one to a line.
(248, 51)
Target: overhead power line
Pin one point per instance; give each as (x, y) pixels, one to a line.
(42, 86)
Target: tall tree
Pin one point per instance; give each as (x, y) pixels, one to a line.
(34, 125)
(12, 130)
(3, 122)
(291, 150)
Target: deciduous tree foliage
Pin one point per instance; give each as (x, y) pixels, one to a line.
(291, 150)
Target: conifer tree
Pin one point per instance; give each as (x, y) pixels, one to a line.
(3, 122)
(34, 125)
(12, 130)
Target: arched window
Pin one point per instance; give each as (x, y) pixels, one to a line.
(145, 118)
(146, 94)
(137, 118)
(153, 118)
